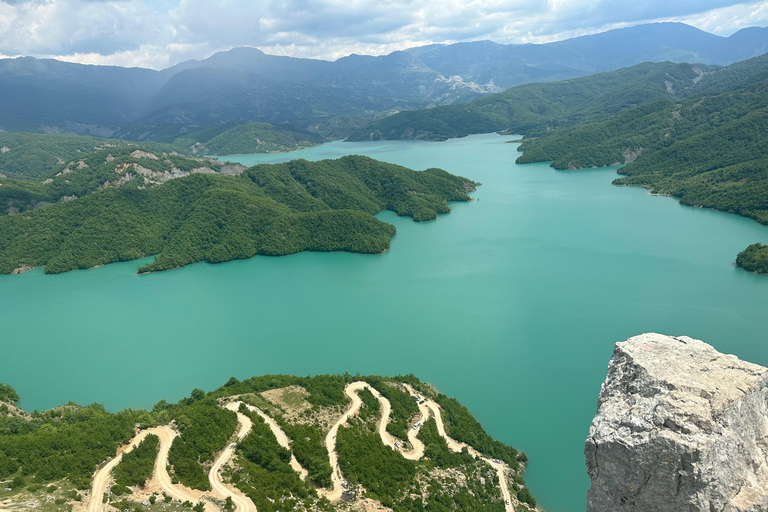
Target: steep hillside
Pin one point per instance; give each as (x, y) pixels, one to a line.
(542, 106)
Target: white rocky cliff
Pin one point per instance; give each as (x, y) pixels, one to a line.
(679, 427)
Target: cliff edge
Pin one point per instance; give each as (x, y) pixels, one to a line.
(679, 427)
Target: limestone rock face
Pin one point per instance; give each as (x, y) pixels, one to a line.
(679, 427)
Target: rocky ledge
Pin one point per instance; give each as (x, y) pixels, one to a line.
(679, 427)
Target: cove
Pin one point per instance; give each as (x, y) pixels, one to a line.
(511, 303)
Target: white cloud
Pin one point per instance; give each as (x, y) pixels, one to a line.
(159, 33)
(727, 20)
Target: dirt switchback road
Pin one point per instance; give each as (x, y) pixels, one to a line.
(218, 487)
(162, 480)
(330, 441)
(418, 447)
(457, 447)
(282, 439)
(102, 476)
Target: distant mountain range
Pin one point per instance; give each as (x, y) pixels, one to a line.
(329, 98)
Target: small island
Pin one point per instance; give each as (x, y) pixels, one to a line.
(269, 443)
(754, 259)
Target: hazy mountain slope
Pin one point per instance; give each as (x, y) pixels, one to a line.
(551, 104)
(510, 65)
(48, 95)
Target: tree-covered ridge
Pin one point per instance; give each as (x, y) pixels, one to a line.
(708, 150)
(249, 138)
(129, 167)
(32, 155)
(65, 442)
(122, 205)
(35, 155)
(543, 106)
(136, 466)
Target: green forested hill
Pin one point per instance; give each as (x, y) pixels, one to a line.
(34, 155)
(31, 155)
(709, 150)
(113, 167)
(234, 139)
(542, 106)
(116, 206)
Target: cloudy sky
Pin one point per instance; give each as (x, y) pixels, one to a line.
(160, 33)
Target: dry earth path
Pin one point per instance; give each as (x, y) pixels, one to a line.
(388, 439)
(386, 409)
(161, 479)
(102, 476)
(417, 452)
(218, 487)
(336, 491)
(282, 438)
(456, 446)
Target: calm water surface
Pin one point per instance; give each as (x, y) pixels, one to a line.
(511, 303)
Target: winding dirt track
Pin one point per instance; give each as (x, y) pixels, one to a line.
(417, 452)
(100, 479)
(218, 487)
(282, 439)
(330, 441)
(160, 476)
(161, 479)
(386, 408)
(457, 447)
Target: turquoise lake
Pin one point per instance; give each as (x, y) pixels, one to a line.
(511, 303)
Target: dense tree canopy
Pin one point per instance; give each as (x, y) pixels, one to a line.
(119, 205)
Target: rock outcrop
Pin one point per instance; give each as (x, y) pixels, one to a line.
(679, 427)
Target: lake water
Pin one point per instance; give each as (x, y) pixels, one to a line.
(511, 303)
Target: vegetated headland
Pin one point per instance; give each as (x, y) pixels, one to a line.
(266, 443)
(698, 133)
(121, 203)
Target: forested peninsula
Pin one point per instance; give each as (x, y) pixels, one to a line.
(121, 204)
(269, 443)
(697, 133)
